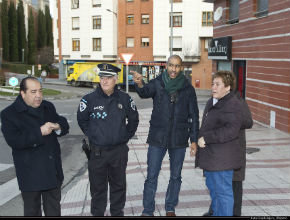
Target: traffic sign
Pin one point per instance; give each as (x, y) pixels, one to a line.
(127, 57)
(13, 81)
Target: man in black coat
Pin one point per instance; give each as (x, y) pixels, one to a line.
(30, 126)
(174, 121)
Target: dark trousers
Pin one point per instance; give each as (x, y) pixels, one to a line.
(50, 199)
(108, 168)
(238, 198)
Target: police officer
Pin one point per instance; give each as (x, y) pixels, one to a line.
(102, 116)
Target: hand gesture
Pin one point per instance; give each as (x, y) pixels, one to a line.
(201, 142)
(48, 127)
(193, 149)
(137, 78)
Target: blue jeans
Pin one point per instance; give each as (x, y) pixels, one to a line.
(220, 188)
(155, 157)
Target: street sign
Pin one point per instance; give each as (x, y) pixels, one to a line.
(127, 57)
(13, 81)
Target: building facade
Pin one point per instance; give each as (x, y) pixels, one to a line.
(252, 38)
(102, 30)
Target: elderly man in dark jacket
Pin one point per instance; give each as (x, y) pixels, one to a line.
(174, 120)
(30, 126)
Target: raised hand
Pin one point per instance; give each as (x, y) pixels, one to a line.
(137, 78)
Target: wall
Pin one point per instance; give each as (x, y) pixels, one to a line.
(136, 30)
(202, 71)
(265, 45)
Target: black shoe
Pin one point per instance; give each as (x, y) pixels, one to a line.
(209, 213)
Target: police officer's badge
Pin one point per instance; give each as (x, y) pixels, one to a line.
(120, 106)
(83, 106)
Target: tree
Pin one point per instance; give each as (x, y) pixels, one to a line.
(22, 42)
(31, 39)
(42, 36)
(48, 27)
(13, 36)
(46, 55)
(5, 30)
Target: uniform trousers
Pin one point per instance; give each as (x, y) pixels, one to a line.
(108, 167)
(50, 199)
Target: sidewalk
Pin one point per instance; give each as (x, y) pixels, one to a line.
(266, 188)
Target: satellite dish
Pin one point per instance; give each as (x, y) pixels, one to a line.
(218, 13)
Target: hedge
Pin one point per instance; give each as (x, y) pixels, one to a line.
(22, 68)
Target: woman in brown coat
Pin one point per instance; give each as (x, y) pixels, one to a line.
(219, 152)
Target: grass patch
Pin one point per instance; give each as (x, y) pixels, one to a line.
(45, 92)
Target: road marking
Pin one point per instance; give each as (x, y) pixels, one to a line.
(5, 166)
(8, 191)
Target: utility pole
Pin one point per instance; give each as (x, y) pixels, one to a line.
(171, 28)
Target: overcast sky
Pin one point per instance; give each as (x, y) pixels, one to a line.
(51, 6)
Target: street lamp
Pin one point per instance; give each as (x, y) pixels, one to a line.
(171, 28)
(1, 49)
(22, 55)
(115, 13)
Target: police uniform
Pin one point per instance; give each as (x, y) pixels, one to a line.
(103, 119)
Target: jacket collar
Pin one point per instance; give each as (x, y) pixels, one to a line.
(186, 82)
(223, 100)
(100, 91)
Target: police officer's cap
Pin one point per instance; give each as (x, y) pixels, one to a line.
(108, 70)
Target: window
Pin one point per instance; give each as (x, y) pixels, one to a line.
(145, 19)
(130, 19)
(97, 22)
(261, 8)
(75, 23)
(76, 44)
(145, 42)
(130, 42)
(177, 19)
(233, 11)
(177, 44)
(207, 42)
(97, 44)
(96, 3)
(207, 18)
(75, 4)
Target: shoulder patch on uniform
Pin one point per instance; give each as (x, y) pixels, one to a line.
(133, 104)
(83, 106)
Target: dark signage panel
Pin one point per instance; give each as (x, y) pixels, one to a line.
(220, 48)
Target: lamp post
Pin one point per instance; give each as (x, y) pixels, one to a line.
(116, 14)
(22, 55)
(1, 49)
(171, 28)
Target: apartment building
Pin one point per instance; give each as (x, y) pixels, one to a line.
(85, 31)
(252, 38)
(101, 30)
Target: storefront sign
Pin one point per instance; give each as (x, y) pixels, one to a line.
(220, 48)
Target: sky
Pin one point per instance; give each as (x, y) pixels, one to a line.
(51, 6)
